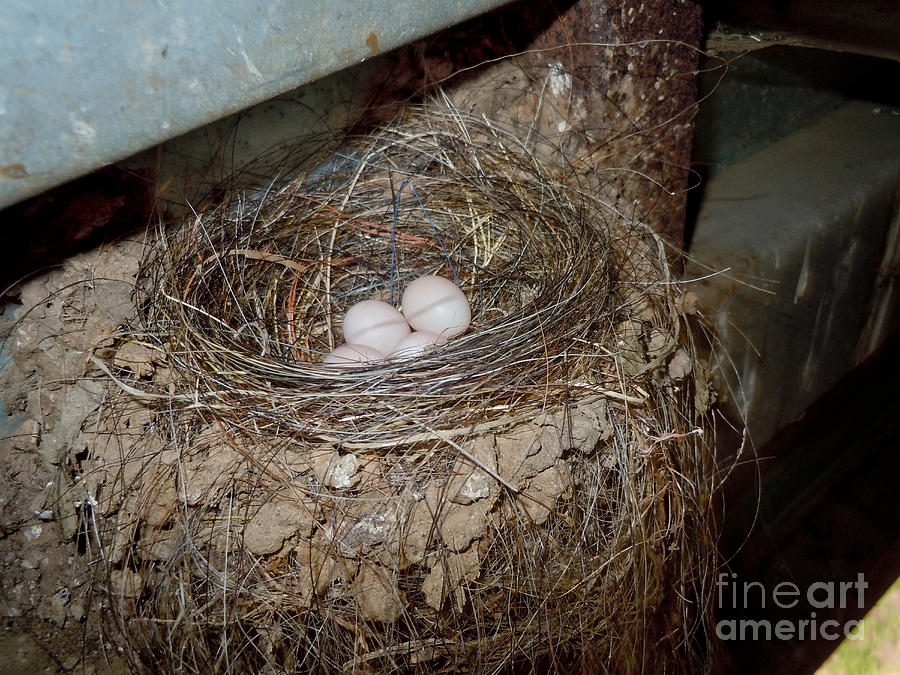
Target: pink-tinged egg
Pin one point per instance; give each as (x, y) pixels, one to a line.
(415, 344)
(436, 305)
(376, 324)
(353, 356)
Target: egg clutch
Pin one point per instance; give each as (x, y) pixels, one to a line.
(434, 310)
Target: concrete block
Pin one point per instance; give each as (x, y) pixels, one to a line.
(805, 234)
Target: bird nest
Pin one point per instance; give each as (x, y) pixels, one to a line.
(535, 493)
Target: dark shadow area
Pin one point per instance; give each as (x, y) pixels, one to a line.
(40, 232)
(823, 514)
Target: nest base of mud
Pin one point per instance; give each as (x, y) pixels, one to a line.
(536, 494)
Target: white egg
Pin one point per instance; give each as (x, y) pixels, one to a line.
(415, 344)
(353, 356)
(436, 305)
(376, 324)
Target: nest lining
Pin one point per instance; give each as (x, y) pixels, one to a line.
(254, 290)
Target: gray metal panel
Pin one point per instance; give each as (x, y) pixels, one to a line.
(87, 82)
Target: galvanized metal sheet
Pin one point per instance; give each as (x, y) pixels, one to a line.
(87, 82)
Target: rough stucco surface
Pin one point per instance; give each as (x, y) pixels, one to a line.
(638, 99)
(613, 85)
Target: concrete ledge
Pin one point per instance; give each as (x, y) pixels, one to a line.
(808, 230)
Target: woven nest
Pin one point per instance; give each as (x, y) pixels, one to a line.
(535, 493)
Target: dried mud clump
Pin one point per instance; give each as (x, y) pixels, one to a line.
(537, 494)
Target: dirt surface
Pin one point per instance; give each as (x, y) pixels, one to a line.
(53, 620)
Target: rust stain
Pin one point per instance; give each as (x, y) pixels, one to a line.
(14, 171)
(155, 81)
(372, 44)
